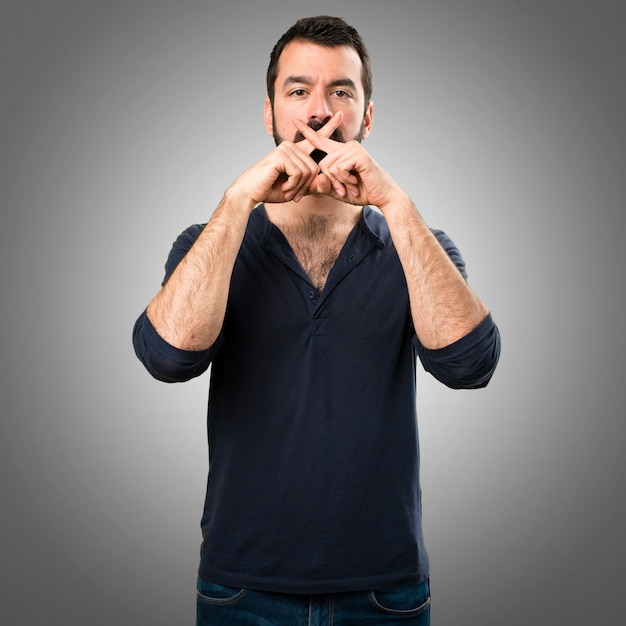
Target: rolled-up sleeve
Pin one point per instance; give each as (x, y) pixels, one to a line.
(166, 362)
(468, 363)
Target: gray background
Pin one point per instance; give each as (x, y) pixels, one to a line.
(123, 122)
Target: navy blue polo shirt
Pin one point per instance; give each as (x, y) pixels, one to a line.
(313, 482)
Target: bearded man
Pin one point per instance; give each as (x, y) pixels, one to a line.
(313, 291)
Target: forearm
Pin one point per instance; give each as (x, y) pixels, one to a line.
(443, 307)
(189, 310)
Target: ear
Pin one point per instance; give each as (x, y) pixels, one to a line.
(368, 119)
(268, 117)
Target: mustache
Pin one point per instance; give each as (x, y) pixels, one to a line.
(316, 125)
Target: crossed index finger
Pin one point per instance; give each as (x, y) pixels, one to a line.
(312, 137)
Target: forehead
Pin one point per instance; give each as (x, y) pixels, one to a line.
(319, 62)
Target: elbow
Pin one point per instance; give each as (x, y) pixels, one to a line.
(472, 376)
(167, 370)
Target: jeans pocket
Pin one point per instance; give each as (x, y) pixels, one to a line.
(213, 593)
(402, 601)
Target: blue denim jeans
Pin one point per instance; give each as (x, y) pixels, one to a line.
(227, 606)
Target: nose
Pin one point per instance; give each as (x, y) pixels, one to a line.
(319, 108)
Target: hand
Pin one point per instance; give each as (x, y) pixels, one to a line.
(288, 172)
(348, 172)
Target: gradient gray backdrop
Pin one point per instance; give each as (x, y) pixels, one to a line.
(123, 122)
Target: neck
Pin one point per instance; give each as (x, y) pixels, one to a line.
(317, 207)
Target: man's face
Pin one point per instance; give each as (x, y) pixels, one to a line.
(313, 83)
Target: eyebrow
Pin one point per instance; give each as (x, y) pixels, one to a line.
(307, 80)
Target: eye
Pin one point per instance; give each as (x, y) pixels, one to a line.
(340, 93)
(298, 93)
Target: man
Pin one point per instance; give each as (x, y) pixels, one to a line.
(312, 308)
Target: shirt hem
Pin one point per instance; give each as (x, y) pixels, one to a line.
(308, 587)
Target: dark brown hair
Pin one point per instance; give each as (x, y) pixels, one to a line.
(323, 30)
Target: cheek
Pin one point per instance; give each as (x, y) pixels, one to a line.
(352, 124)
(283, 117)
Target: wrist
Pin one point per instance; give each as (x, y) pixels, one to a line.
(237, 199)
(402, 215)
(395, 200)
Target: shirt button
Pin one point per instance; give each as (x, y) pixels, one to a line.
(312, 295)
